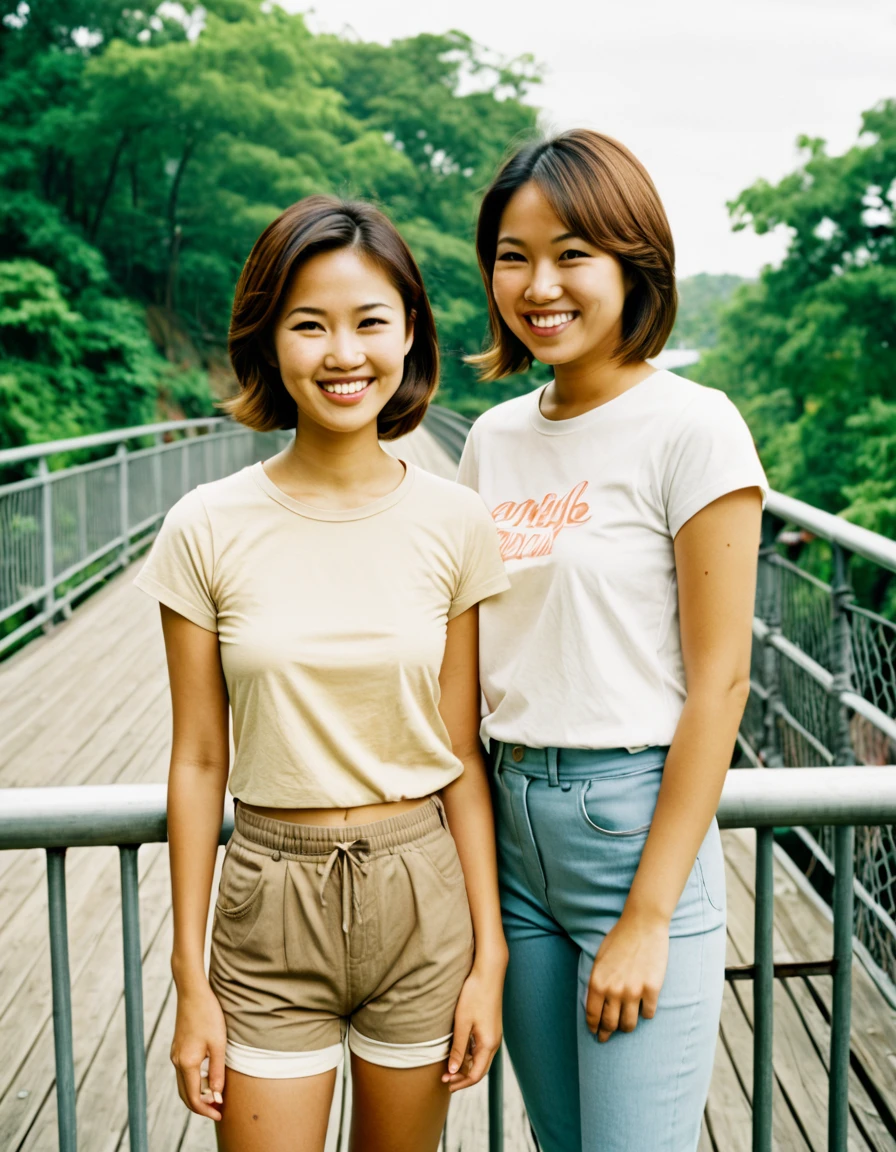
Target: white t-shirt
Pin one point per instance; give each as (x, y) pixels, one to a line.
(584, 649)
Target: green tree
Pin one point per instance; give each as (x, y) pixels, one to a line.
(809, 351)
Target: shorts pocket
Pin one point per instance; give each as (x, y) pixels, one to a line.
(239, 892)
(441, 852)
(621, 805)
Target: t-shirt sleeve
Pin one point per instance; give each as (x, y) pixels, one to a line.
(468, 469)
(482, 569)
(178, 572)
(711, 455)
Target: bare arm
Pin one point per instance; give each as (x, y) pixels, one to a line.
(468, 807)
(715, 559)
(197, 782)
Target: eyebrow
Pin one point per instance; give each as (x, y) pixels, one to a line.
(557, 239)
(322, 311)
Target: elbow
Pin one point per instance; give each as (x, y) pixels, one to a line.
(724, 692)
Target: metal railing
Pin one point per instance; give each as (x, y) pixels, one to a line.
(823, 686)
(127, 816)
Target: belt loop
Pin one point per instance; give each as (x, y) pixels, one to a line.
(440, 808)
(553, 768)
(496, 747)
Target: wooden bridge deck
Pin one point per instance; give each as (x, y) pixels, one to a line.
(88, 704)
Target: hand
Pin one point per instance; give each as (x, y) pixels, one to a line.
(627, 975)
(199, 1039)
(477, 1028)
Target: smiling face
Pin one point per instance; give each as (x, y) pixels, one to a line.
(556, 292)
(340, 340)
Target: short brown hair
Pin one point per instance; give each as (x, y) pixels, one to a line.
(603, 194)
(311, 226)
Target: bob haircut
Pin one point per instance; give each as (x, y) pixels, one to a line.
(603, 194)
(314, 225)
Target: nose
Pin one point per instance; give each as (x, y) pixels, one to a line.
(543, 288)
(344, 353)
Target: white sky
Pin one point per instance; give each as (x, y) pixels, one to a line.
(709, 94)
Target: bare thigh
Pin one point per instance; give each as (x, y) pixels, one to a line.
(397, 1109)
(262, 1115)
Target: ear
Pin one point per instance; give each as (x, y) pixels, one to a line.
(409, 340)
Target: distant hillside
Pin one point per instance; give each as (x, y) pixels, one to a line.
(701, 298)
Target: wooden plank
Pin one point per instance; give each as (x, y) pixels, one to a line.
(728, 1117)
(737, 1037)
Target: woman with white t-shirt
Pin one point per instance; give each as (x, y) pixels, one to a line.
(616, 668)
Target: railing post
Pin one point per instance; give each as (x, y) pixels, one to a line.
(82, 516)
(62, 1001)
(496, 1103)
(763, 991)
(841, 1011)
(841, 654)
(133, 998)
(184, 465)
(46, 531)
(769, 603)
(157, 492)
(123, 513)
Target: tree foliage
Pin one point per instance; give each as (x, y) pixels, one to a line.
(809, 351)
(142, 153)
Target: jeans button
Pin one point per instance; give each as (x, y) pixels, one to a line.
(275, 855)
(517, 753)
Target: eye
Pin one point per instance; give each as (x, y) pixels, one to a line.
(573, 254)
(372, 321)
(306, 326)
(511, 258)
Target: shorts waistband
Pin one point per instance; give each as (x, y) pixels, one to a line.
(574, 764)
(318, 840)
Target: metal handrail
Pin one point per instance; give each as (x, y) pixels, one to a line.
(852, 538)
(10, 456)
(96, 815)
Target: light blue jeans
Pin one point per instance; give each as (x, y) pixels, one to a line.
(571, 828)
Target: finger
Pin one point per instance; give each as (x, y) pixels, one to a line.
(216, 1072)
(594, 1006)
(609, 1019)
(483, 1055)
(459, 1047)
(204, 1106)
(649, 1003)
(628, 1017)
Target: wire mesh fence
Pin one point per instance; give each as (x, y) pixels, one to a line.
(64, 531)
(823, 691)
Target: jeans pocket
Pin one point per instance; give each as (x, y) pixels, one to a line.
(621, 805)
(711, 866)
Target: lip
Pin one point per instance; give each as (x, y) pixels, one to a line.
(549, 333)
(343, 399)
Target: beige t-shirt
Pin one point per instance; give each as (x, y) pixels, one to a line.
(331, 626)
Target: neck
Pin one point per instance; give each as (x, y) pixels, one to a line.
(322, 461)
(585, 384)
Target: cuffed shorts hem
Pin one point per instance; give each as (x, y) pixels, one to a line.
(399, 1055)
(268, 1065)
(265, 1064)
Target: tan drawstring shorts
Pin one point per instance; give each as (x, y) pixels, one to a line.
(318, 930)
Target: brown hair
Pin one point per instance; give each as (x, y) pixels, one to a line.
(603, 194)
(311, 226)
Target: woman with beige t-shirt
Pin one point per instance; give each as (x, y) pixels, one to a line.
(327, 598)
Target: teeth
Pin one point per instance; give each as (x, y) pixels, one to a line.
(346, 389)
(551, 321)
